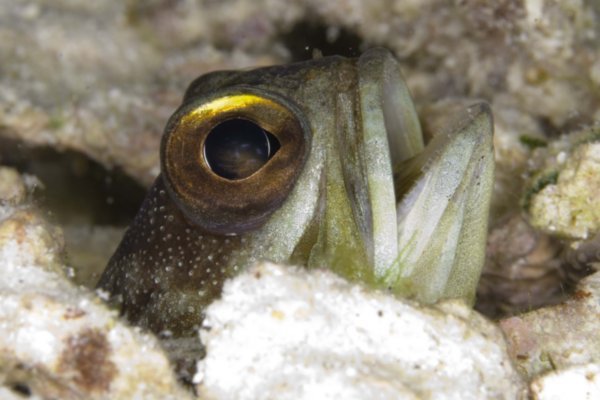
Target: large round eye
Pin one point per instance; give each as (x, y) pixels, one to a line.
(230, 162)
(237, 148)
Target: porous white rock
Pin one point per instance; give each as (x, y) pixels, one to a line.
(12, 187)
(287, 333)
(570, 207)
(558, 337)
(581, 382)
(58, 341)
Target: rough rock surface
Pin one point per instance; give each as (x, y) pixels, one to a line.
(314, 333)
(58, 340)
(535, 257)
(12, 187)
(523, 269)
(568, 205)
(557, 337)
(581, 382)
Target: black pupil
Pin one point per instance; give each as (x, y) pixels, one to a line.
(237, 148)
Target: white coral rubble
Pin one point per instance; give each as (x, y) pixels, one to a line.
(58, 340)
(571, 207)
(287, 333)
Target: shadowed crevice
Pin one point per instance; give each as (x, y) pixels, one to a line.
(309, 35)
(77, 189)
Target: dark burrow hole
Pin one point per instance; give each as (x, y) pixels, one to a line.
(92, 204)
(77, 189)
(310, 35)
(22, 389)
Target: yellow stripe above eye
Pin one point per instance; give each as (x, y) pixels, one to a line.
(228, 104)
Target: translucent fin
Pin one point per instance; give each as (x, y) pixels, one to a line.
(442, 219)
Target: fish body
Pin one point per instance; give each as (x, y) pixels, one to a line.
(320, 163)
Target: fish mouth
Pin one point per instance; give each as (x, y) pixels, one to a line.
(385, 132)
(422, 211)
